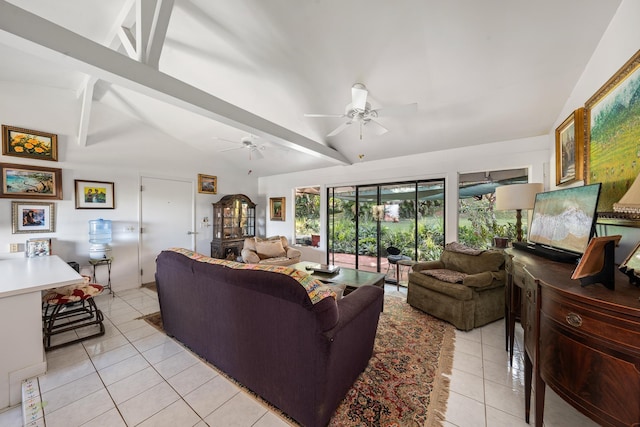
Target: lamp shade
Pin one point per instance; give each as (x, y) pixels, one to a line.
(517, 196)
(630, 202)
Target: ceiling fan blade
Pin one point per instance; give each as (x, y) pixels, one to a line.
(376, 127)
(230, 149)
(359, 96)
(339, 128)
(397, 110)
(257, 153)
(225, 140)
(324, 115)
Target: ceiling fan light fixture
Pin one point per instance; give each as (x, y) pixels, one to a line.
(359, 110)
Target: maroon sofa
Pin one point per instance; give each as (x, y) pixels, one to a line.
(261, 329)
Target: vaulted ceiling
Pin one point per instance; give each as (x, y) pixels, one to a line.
(212, 73)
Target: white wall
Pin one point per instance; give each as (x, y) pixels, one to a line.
(532, 153)
(119, 149)
(619, 43)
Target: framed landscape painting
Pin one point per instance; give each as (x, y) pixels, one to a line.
(34, 217)
(207, 184)
(27, 143)
(94, 194)
(276, 208)
(613, 114)
(570, 148)
(30, 182)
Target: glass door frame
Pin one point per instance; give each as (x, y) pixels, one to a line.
(381, 252)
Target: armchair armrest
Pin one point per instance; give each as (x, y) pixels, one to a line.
(484, 279)
(293, 253)
(249, 257)
(428, 265)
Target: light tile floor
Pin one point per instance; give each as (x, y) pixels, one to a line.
(137, 376)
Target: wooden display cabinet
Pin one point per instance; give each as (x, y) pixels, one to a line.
(234, 219)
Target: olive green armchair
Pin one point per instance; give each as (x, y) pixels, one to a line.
(465, 287)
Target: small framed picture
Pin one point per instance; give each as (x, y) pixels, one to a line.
(570, 148)
(37, 247)
(207, 184)
(276, 208)
(34, 217)
(29, 143)
(30, 182)
(94, 194)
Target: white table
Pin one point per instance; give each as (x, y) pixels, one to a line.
(22, 355)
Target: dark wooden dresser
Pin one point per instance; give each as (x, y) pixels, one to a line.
(583, 342)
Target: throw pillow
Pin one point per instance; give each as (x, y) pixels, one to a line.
(449, 276)
(270, 249)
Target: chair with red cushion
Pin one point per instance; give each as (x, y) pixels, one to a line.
(69, 308)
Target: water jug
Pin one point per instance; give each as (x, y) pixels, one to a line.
(99, 231)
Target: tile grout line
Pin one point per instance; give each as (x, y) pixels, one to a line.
(154, 368)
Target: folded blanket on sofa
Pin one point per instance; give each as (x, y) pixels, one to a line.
(316, 290)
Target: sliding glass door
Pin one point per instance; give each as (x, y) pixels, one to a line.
(365, 221)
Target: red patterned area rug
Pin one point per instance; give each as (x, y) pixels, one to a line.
(405, 383)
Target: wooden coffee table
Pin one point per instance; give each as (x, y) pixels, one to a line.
(349, 277)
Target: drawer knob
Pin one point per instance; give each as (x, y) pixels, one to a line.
(574, 319)
(529, 293)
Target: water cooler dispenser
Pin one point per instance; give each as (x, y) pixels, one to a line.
(99, 237)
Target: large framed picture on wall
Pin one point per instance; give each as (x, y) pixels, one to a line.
(613, 144)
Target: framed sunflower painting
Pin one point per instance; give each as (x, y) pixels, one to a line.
(30, 144)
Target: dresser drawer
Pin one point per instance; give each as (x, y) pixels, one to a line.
(598, 324)
(597, 381)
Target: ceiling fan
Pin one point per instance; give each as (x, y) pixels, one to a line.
(360, 111)
(247, 144)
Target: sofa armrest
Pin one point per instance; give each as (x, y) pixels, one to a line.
(249, 256)
(352, 305)
(293, 253)
(427, 265)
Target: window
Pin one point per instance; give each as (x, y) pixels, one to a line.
(307, 216)
(478, 222)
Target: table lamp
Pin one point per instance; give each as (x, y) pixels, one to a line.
(517, 197)
(630, 202)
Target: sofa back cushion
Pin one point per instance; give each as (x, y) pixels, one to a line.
(270, 248)
(472, 264)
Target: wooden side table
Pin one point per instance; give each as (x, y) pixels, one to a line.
(106, 261)
(403, 263)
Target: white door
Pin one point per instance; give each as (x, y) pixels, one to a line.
(166, 220)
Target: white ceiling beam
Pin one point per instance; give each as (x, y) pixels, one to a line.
(128, 42)
(21, 29)
(125, 19)
(85, 114)
(145, 10)
(158, 32)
